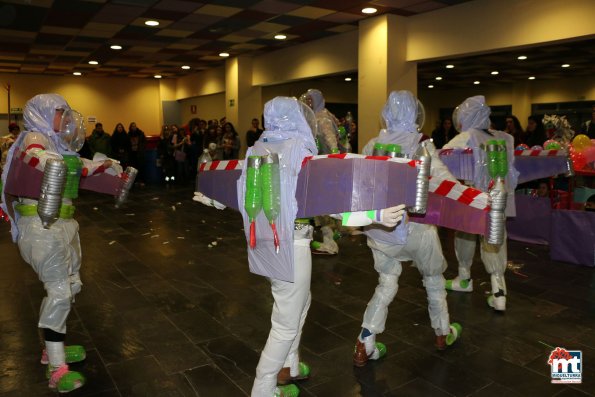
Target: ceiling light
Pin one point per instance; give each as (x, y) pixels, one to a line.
(224, 54)
(185, 67)
(93, 63)
(280, 37)
(77, 73)
(438, 78)
(430, 86)
(116, 47)
(152, 23)
(347, 78)
(369, 10)
(521, 57)
(495, 72)
(566, 65)
(157, 76)
(532, 78)
(450, 66)
(476, 82)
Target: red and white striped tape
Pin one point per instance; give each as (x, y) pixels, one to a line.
(453, 190)
(457, 191)
(28, 159)
(33, 161)
(540, 153)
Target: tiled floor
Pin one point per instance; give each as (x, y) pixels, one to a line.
(163, 315)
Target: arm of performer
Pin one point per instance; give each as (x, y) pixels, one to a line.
(328, 133)
(438, 169)
(388, 217)
(100, 165)
(35, 145)
(201, 198)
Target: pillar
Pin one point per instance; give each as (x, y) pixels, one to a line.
(382, 68)
(242, 99)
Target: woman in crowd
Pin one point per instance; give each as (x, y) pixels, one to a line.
(180, 147)
(230, 134)
(444, 133)
(137, 151)
(535, 134)
(513, 127)
(120, 145)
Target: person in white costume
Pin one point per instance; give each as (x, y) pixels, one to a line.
(289, 132)
(403, 116)
(53, 131)
(327, 142)
(472, 118)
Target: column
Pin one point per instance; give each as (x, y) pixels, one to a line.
(243, 101)
(382, 68)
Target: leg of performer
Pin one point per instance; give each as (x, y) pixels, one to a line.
(494, 258)
(389, 269)
(464, 250)
(289, 313)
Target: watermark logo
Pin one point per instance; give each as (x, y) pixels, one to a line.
(566, 365)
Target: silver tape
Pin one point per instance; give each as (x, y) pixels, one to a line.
(497, 217)
(52, 188)
(131, 173)
(422, 182)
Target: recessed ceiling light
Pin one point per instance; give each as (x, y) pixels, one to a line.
(369, 10)
(430, 86)
(77, 73)
(224, 54)
(116, 47)
(280, 37)
(185, 67)
(347, 78)
(476, 82)
(438, 78)
(152, 23)
(495, 72)
(566, 65)
(157, 76)
(93, 63)
(450, 66)
(522, 57)
(532, 78)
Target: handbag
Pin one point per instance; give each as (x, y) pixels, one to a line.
(179, 155)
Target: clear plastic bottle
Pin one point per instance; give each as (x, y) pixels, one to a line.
(205, 157)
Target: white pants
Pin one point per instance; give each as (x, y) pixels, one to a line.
(424, 249)
(55, 255)
(292, 301)
(493, 256)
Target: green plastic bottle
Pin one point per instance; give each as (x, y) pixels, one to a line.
(271, 192)
(502, 159)
(74, 167)
(393, 150)
(253, 199)
(379, 149)
(492, 158)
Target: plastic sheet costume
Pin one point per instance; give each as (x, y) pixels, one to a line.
(53, 132)
(327, 140)
(287, 140)
(472, 118)
(403, 115)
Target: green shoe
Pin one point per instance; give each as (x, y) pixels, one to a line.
(284, 376)
(336, 235)
(64, 381)
(381, 349)
(74, 354)
(287, 391)
(455, 333)
(315, 245)
(456, 284)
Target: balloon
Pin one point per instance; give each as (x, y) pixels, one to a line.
(550, 144)
(581, 142)
(578, 160)
(536, 147)
(522, 146)
(589, 154)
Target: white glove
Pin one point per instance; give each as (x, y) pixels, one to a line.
(390, 217)
(201, 198)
